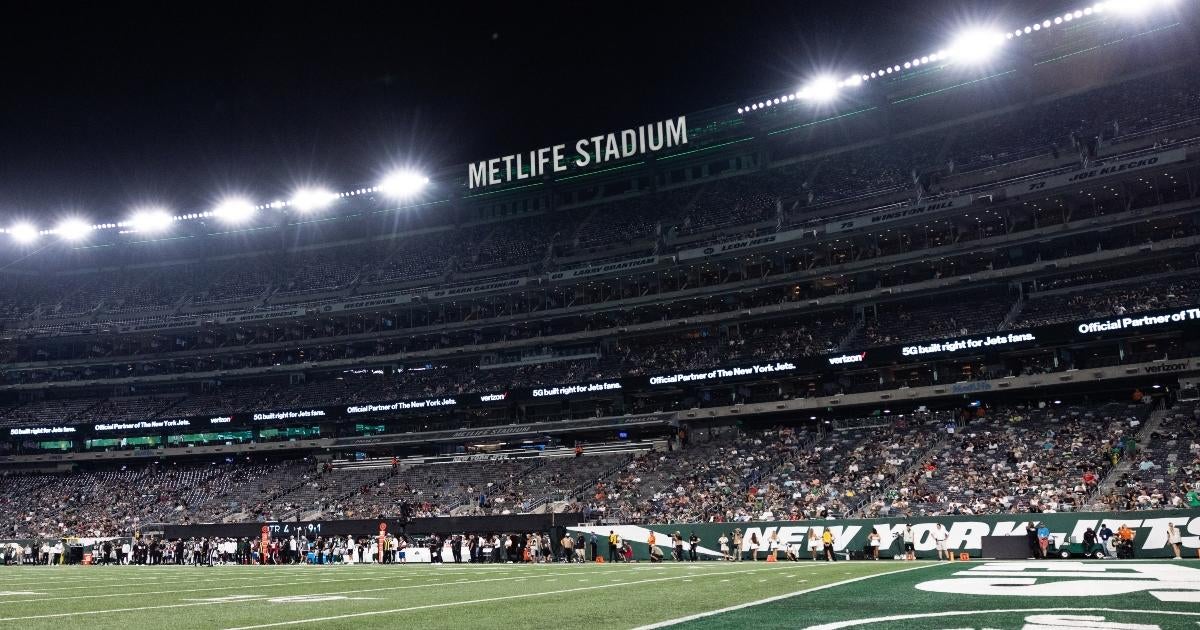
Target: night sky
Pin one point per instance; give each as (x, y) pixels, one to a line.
(109, 107)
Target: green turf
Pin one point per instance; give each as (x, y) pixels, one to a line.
(600, 596)
(797, 595)
(894, 601)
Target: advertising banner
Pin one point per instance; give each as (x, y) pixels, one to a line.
(963, 533)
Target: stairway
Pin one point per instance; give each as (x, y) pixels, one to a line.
(1126, 464)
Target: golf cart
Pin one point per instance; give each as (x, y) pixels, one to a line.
(1077, 549)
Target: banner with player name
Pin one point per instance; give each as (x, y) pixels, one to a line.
(963, 533)
(263, 316)
(359, 304)
(1096, 171)
(898, 213)
(605, 269)
(755, 242)
(476, 289)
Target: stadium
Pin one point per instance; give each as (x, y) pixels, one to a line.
(914, 345)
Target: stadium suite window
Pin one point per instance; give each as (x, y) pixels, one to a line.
(290, 433)
(121, 442)
(203, 438)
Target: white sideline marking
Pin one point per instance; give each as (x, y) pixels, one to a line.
(958, 613)
(473, 601)
(309, 599)
(178, 591)
(768, 600)
(225, 601)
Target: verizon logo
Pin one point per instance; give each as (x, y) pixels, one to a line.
(848, 358)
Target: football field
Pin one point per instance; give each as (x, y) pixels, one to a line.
(1035, 595)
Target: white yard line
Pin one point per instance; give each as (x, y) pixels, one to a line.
(258, 599)
(255, 598)
(194, 590)
(164, 582)
(307, 575)
(478, 601)
(768, 600)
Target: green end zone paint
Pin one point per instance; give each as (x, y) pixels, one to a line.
(1045, 595)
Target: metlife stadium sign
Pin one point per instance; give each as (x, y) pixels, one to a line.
(587, 152)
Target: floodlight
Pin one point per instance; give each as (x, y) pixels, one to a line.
(73, 229)
(976, 45)
(309, 199)
(821, 89)
(234, 210)
(23, 232)
(150, 220)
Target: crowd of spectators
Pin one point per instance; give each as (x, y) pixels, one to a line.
(963, 314)
(1159, 294)
(1164, 471)
(1045, 457)
(121, 501)
(1037, 458)
(1063, 126)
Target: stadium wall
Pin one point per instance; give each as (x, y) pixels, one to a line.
(965, 532)
(367, 527)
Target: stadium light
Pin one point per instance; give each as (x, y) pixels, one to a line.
(151, 220)
(976, 45)
(402, 184)
(73, 229)
(24, 232)
(820, 90)
(235, 210)
(309, 199)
